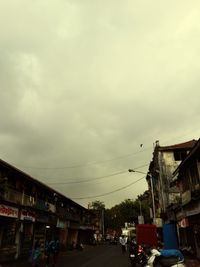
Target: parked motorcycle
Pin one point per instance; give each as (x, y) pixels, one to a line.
(173, 258)
(137, 255)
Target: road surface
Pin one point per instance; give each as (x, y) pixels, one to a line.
(104, 255)
(98, 256)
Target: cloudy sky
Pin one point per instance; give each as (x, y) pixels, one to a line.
(84, 82)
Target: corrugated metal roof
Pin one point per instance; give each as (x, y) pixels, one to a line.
(189, 144)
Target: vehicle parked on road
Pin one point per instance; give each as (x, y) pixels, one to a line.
(137, 254)
(164, 258)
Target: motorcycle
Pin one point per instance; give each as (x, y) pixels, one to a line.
(137, 255)
(155, 258)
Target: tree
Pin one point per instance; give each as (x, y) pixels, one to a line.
(98, 205)
(99, 208)
(127, 211)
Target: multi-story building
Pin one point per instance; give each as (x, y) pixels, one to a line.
(186, 179)
(165, 160)
(30, 209)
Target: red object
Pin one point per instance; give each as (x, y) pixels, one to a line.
(146, 234)
(140, 249)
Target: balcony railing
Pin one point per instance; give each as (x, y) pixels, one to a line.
(26, 200)
(18, 198)
(12, 196)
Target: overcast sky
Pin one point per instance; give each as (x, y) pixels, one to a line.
(84, 82)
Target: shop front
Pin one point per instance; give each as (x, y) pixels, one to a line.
(72, 237)
(85, 234)
(40, 227)
(8, 232)
(189, 227)
(194, 221)
(45, 227)
(27, 219)
(61, 232)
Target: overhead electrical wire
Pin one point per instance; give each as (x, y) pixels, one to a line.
(108, 193)
(90, 179)
(87, 163)
(95, 178)
(95, 162)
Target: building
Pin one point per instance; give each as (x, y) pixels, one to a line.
(164, 162)
(186, 178)
(30, 209)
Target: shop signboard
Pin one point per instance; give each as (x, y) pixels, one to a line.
(8, 211)
(27, 215)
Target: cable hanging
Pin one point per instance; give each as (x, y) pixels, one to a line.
(90, 179)
(95, 178)
(108, 193)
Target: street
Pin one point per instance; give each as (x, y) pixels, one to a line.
(104, 255)
(98, 256)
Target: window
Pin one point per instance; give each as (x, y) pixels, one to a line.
(180, 155)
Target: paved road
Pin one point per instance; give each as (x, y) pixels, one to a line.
(92, 256)
(98, 256)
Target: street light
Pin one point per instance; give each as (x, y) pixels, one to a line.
(152, 189)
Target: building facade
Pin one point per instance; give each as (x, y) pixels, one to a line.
(186, 179)
(30, 210)
(164, 162)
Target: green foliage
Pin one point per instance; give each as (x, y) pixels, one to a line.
(98, 205)
(127, 211)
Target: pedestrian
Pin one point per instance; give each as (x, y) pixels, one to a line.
(123, 242)
(56, 252)
(54, 249)
(36, 253)
(42, 254)
(47, 252)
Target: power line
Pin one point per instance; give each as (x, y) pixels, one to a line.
(85, 164)
(95, 178)
(108, 193)
(95, 162)
(90, 179)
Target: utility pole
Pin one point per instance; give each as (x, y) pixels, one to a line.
(102, 221)
(152, 195)
(152, 190)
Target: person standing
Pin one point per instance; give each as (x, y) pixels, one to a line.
(123, 242)
(56, 253)
(54, 249)
(47, 252)
(36, 253)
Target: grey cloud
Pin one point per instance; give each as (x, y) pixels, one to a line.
(84, 82)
